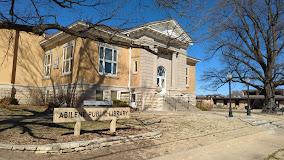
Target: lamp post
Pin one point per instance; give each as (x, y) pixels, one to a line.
(229, 78)
(248, 101)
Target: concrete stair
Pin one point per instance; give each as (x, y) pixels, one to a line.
(179, 104)
(166, 103)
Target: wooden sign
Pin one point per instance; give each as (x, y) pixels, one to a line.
(65, 115)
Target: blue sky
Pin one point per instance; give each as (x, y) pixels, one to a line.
(137, 12)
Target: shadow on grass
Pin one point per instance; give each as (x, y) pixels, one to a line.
(36, 120)
(25, 123)
(99, 131)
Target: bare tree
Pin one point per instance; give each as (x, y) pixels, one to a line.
(32, 16)
(237, 93)
(249, 36)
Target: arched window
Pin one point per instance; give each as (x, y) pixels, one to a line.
(161, 71)
(161, 77)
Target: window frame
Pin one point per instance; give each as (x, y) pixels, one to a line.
(112, 61)
(45, 65)
(64, 60)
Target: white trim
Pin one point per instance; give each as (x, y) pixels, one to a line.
(148, 26)
(164, 89)
(64, 60)
(194, 59)
(83, 24)
(58, 33)
(112, 61)
(45, 65)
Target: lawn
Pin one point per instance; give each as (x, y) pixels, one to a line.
(31, 125)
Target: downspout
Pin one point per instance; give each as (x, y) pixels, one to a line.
(14, 66)
(129, 74)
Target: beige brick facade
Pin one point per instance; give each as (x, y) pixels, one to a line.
(136, 71)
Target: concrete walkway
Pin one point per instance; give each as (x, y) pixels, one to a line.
(252, 147)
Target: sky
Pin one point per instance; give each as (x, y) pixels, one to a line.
(137, 12)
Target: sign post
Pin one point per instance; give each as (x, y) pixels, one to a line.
(113, 125)
(66, 115)
(77, 128)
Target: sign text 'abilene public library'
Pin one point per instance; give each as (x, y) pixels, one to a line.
(62, 115)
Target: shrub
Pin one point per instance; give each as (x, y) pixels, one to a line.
(6, 101)
(119, 103)
(14, 101)
(204, 106)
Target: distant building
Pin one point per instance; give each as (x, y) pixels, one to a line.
(240, 102)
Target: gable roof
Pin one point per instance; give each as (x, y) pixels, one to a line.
(170, 28)
(99, 30)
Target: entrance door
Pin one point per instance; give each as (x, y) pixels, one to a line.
(161, 79)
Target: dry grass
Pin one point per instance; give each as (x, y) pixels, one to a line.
(30, 125)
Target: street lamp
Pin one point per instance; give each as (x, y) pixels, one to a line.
(247, 80)
(229, 78)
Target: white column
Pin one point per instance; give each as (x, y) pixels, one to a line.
(174, 70)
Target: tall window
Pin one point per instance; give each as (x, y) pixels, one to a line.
(108, 61)
(186, 76)
(47, 64)
(67, 58)
(161, 77)
(135, 67)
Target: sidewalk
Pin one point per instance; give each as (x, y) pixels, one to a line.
(253, 147)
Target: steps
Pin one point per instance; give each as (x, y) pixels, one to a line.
(179, 103)
(166, 103)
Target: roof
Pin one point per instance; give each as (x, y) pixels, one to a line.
(173, 26)
(171, 29)
(193, 59)
(80, 25)
(260, 97)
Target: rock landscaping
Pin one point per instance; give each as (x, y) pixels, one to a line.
(78, 146)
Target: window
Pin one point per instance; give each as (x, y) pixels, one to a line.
(161, 77)
(133, 97)
(107, 61)
(113, 95)
(135, 67)
(186, 76)
(47, 64)
(99, 95)
(67, 58)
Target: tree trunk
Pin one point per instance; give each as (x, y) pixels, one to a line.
(269, 102)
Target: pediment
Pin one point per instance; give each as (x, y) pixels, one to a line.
(168, 28)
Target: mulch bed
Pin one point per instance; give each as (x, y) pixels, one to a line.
(29, 125)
